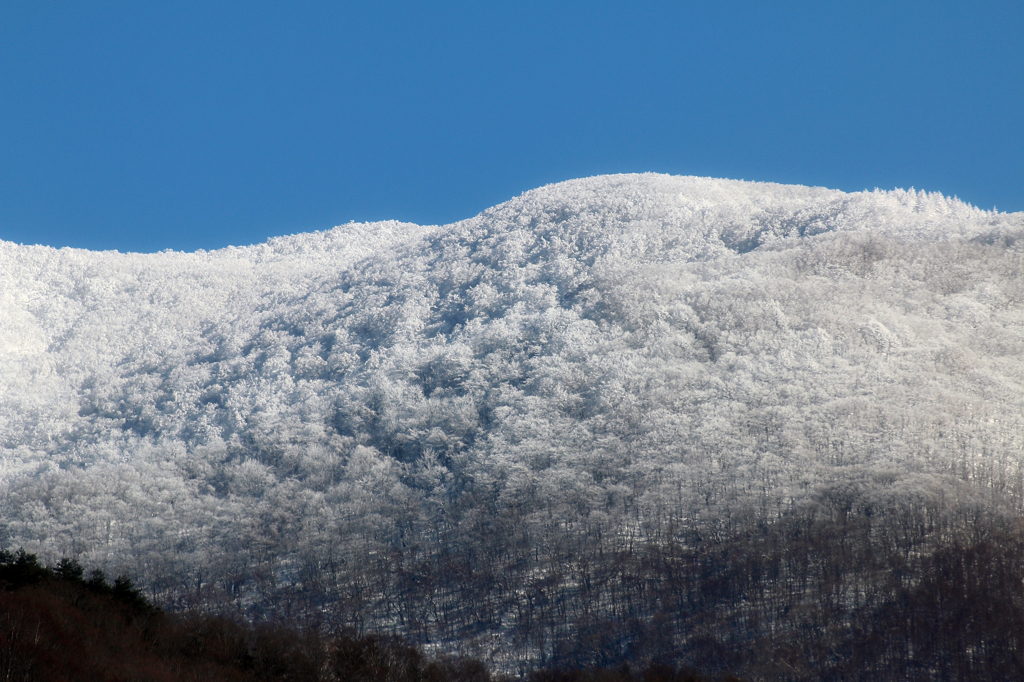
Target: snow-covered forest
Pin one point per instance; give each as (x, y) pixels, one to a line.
(629, 417)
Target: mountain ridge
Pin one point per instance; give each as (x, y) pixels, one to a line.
(602, 364)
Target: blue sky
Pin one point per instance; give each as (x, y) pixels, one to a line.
(141, 126)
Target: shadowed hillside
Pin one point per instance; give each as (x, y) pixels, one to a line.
(56, 625)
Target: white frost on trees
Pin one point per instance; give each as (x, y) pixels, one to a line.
(629, 351)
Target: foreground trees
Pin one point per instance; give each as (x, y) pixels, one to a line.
(57, 626)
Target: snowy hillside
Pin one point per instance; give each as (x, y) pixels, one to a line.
(620, 359)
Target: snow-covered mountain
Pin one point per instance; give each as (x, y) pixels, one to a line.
(631, 358)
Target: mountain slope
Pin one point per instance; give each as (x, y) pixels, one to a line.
(619, 359)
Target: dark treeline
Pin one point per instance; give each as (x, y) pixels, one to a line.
(60, 626)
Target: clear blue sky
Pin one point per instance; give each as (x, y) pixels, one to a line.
(140, 125)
